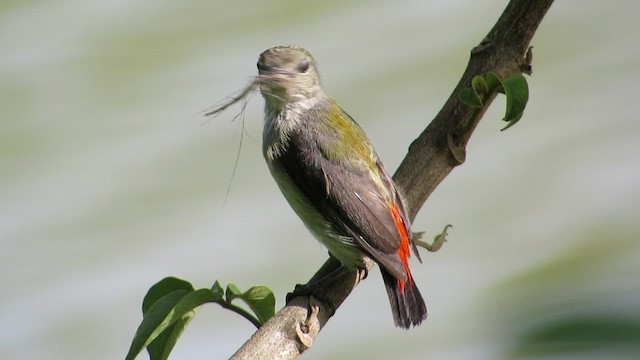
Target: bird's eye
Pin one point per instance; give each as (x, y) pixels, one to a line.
(262, 67)
(303, 66)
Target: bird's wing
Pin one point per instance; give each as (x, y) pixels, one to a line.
(356, 195)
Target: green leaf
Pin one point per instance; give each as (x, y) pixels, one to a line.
(233, 292)
(175, 322)
(153, 321)
(166, 319)
(479, 86)
(162, 288)
(494, 82)
(217, 290)
(161, 346)
(470, 98)
(260, 300)
(171, 304)
(480, 89)
(517, 92)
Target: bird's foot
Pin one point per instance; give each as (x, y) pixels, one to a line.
(437, 242)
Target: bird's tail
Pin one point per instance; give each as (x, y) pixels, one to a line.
(407, 304)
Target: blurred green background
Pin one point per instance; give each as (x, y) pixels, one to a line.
(111, 179)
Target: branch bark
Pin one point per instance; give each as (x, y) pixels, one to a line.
(431, 157)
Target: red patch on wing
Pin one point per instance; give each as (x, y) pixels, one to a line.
(403, 251)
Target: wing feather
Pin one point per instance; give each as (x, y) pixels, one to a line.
(352, 196)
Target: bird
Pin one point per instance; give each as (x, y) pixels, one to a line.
(332, 177)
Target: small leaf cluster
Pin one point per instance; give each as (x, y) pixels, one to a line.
(171, 304)
(515, 88)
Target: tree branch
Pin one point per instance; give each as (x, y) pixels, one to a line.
(431, 157)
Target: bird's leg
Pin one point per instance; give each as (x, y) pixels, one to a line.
(437, 242)
(319, 282)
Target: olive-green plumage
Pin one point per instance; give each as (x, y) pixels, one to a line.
(332, 177)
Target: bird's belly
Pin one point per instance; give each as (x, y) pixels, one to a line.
(341, 246)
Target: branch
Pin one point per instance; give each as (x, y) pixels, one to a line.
(431, 157)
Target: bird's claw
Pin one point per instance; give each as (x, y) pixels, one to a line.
(437, 242)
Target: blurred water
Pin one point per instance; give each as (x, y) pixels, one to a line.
(110, 179)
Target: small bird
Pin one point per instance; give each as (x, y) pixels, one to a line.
(330, 174)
